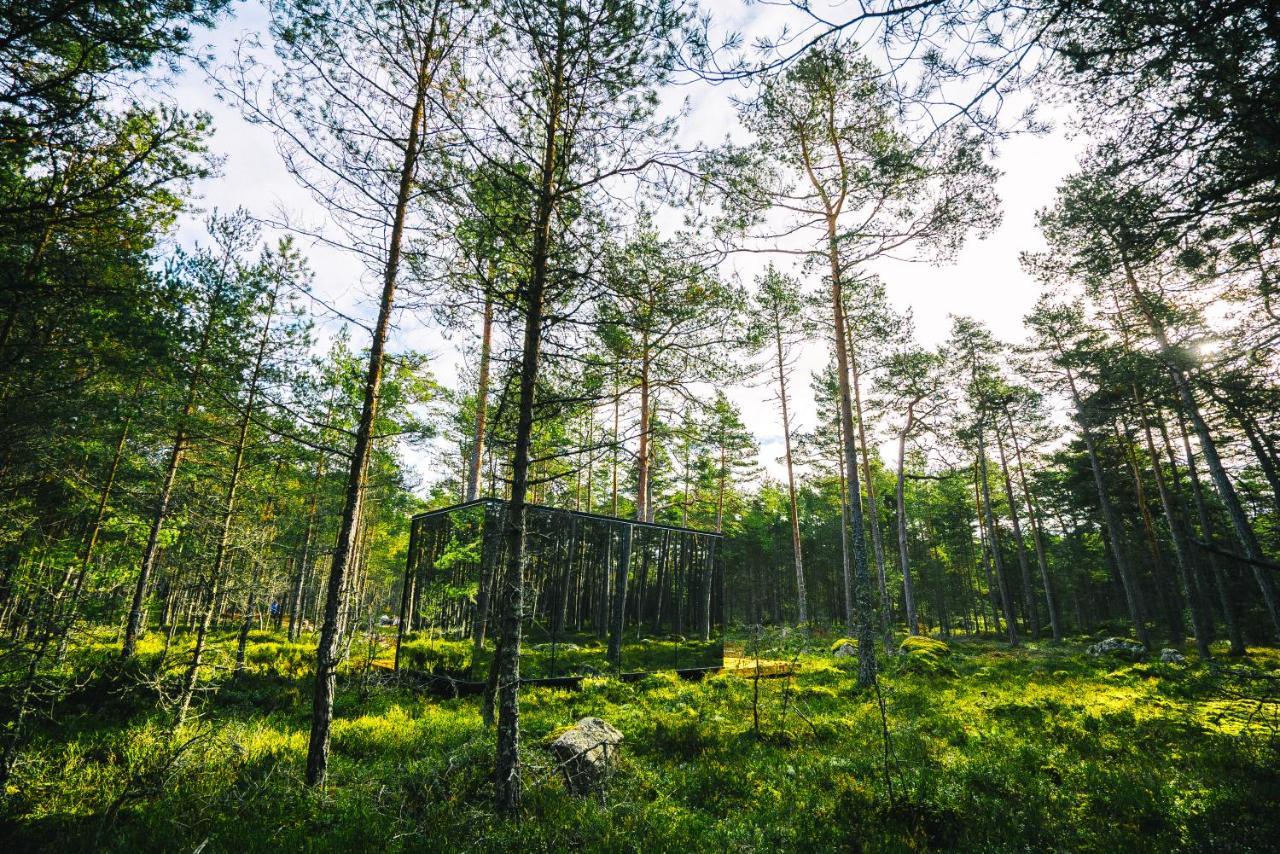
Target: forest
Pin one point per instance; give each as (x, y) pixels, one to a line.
(997, 579)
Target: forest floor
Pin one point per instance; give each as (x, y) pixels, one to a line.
(992, 749)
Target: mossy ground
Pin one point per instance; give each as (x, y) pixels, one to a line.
(1036, 748)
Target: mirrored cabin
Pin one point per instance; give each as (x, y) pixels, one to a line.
(602, 594)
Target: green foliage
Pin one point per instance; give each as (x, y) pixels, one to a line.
(1015, 750)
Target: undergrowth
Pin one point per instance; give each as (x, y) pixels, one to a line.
(1038, 748)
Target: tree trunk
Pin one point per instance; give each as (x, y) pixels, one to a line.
(801, 596)
(95, 531)
(1226, 490)
(1199, 623)
(1051, 599)
(133, 628)
(1220, 579)
(861, 580)
(353, 502)
(1006, 600)
(482, 402)
(908, 594)
(1132, 594)
(873, 505)
(214, 584)
(508, 787)
(1024, 567)
(642, 457)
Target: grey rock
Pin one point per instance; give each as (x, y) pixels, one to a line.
(1118, 646)
(1172, 656)
(846, 650)
(587, 754)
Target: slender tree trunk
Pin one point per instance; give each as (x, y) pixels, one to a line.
(617, 403)
(802, 600)
(873, 505)
(1051, 598)
(618, 609)
(1132, 594)
(1223, 584)
(844, 552)
(95, 531)
(1006, 600)
(192, 676)
(1024, 566)
(353, 503)
(1230, 499)
(133, 627)
(1226, 490)
(482, 401)
(642, 457)
(508, 786)
(1199, 623)
(861, 581)
(908, 593)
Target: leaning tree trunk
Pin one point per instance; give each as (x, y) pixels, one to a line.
(1190, 590)
(95, 530)
(1024, 566)
(1220, 580)
(1226, 490)
(192, 676)
(133, 627)
(1132, 594)
(1050, 597)
(873, 506)
(1230, 499)
(353, 504)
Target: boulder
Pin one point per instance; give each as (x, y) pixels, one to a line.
(1118, 646)
(587, 753)
(846, 650)
(1172, 656)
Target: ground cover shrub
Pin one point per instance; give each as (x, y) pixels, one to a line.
(1016, 750)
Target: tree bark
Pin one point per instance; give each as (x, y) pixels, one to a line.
(214, 584)
(482, 402)
(1051, 599)
(1199, 623)
(802, 600)
(1024, 567)
(133, 627)
(1006, 600)
(1132, 595)
(908, 593)
(508, 787)
(353, 502)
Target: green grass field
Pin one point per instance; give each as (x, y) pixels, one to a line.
(993, 750)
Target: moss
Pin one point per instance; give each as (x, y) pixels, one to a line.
(839, 642)
(1011, 750)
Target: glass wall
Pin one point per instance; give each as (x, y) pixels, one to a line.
(601, 594)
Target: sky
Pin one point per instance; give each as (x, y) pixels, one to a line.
(984, 280)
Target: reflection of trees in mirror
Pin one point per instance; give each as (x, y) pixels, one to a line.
(601, 594)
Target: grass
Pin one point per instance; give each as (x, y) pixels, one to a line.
(1038, 748)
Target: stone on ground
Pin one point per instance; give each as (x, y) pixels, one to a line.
(587, 753)
(1118, 646)
(1171, 656)
(846, 650)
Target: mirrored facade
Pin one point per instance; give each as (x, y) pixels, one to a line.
(601, 594)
